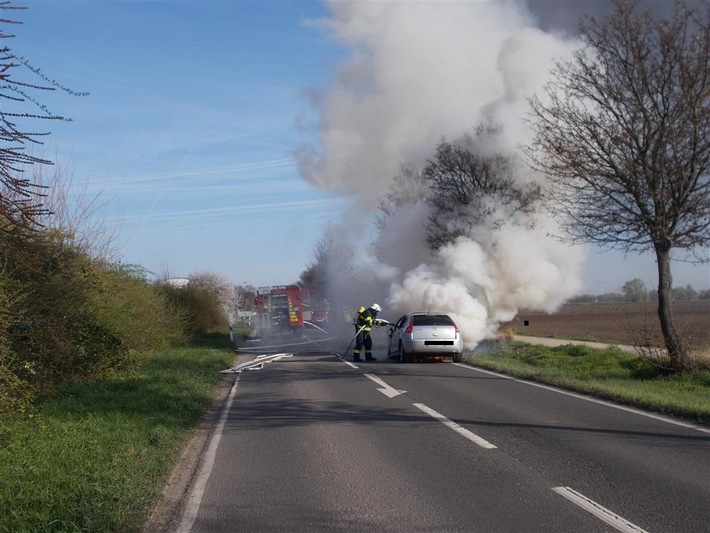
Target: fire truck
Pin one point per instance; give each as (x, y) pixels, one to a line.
(283, 308)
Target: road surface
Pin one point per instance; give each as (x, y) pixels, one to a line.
(312, 442)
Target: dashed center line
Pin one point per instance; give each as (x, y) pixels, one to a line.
(617, 522)
(456, 427)
(604, 514)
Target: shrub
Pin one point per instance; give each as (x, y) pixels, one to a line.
(201, 308)
(51, 329)
(16, 396)
(68, 315)
(135, 311)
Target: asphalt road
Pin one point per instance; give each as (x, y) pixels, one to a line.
(315, 443)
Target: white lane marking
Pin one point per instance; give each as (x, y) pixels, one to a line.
(457, 428)
(256, 364)
(386, 389)
(590, 399)
(604, 514)
(351, 365)
(198, 489)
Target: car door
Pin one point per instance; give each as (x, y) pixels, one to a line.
(395, 335)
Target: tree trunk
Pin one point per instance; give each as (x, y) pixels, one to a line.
(677, 351)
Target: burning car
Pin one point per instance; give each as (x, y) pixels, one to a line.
(424, 334)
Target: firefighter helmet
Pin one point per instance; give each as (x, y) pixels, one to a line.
(376, 308)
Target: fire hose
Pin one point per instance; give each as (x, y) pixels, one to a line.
(353, 340)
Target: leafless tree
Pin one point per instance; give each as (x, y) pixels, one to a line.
(408, 187)
(332, 269)
(20, 197)
(473, 183)
(76, 215)
(622, 133)
(246, 296)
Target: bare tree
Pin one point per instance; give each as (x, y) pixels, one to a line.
(20, 197)
(408, 187)
(473, 183)
(622, 133)
(316, 279)
(246, 296)
(332, 268)
(75, 213)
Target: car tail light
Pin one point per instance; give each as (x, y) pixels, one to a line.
(456, 328)
(410, 327)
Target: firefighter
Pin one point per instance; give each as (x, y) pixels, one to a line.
(365, 320)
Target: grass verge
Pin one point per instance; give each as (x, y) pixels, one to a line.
(611, 374)
(96, 455)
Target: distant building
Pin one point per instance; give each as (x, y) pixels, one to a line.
(178, 282)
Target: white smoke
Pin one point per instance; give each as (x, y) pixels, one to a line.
(419, 72)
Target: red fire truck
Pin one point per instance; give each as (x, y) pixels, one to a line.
(283, 307)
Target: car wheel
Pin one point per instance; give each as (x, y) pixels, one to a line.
(404, 356)
(457, 358)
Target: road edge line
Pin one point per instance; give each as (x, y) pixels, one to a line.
(581, 396)
(194, 499)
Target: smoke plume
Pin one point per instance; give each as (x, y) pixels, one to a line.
(417, 73)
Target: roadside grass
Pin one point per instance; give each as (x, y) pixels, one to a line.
(610, 374)
(95, 456)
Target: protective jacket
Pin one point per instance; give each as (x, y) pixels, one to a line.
(365, 318)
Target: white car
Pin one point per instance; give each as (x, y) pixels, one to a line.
(424, 334)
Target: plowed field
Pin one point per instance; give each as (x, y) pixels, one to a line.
(621, 323)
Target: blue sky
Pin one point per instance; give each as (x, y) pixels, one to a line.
(188, 128)
(187, 134)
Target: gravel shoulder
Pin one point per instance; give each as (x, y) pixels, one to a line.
(544, 341)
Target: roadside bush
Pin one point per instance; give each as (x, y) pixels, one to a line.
(135, 311)
(16, 396)
(69, 316)
(53, 331)
(201, 308)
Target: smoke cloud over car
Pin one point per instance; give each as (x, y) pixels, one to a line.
(418, 73)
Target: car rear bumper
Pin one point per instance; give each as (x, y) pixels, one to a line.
(438, 347)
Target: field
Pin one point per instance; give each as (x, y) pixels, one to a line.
(619, 323)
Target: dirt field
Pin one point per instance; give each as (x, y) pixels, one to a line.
(623, 323)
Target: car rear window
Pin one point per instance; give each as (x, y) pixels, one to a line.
(432, 320)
